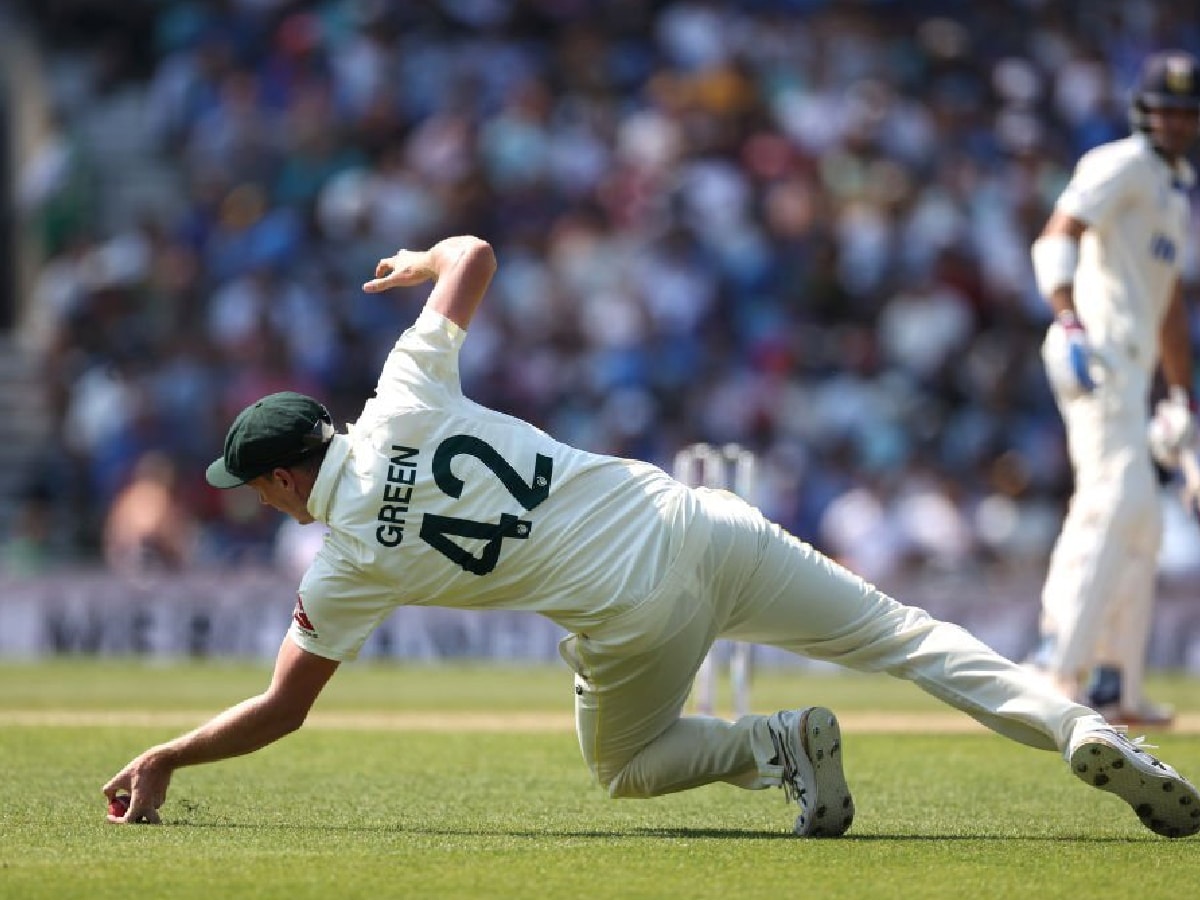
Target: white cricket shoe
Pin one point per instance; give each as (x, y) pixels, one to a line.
(1164, 800)
(808, 744)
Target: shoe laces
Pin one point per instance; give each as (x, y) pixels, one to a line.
(1138, 743)
(793, 787)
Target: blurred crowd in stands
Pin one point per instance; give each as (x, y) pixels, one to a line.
(798, 225)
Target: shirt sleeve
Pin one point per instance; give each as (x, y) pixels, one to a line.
(422, 368)
(336, 611)
(1099, 188)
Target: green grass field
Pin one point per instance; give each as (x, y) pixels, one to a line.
(385, 796)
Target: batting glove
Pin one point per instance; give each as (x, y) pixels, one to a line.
(1073, 365)
(1172, 429)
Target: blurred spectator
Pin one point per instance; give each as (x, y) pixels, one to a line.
(31, 547)
(795, 224)
(53, 190)
(295, 547)
(147, 527)
(859, 532)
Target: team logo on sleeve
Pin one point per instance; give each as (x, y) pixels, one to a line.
(300, 617)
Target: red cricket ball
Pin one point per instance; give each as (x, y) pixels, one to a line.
(118, 805)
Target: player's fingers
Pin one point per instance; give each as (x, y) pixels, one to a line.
(142, 811)
(383, 267)
(132, 818)
(149, 817)
(119, 783)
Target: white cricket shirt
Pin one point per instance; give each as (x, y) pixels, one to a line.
(1136, 208)
(432, 499)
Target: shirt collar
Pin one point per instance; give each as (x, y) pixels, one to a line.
(327, 478)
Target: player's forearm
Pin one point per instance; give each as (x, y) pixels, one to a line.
(241, 729)
(458, 251)
(1055, 258)
(463, 267)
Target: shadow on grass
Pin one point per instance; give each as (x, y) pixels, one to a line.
(191, 809)
(691, 834)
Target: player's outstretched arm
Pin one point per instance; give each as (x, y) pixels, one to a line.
(461, 266)
(298, 680)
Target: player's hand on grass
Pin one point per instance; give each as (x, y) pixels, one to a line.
(405, 269)
(142, 786)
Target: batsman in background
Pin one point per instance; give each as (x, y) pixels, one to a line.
(433, 499)
(1108, 262)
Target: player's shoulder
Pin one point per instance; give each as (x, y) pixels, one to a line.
(431, 324)
(1127, 154)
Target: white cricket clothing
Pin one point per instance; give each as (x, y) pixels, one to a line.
(425, 468)
(1136, 208)
(1055, 259)
(433, 499)
(1099, 588)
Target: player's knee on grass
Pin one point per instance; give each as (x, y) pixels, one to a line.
(629, 785)
(618, 781)
(621, 779)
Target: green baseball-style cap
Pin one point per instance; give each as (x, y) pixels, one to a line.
(278, 430)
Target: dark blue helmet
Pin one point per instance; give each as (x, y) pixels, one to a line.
(1168, 80)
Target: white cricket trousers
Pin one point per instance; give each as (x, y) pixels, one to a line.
(1098, 598)
(750, 580)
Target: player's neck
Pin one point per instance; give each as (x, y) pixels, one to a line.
(1171, 159)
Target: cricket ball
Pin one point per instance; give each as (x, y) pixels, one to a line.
(118, 806)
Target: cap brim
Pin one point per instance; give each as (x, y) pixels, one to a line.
(220, 477)
(1155, 100)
